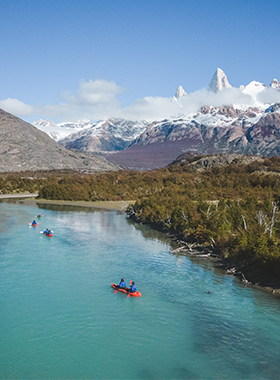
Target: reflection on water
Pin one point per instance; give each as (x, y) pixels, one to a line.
(150, 233)
(56, 207)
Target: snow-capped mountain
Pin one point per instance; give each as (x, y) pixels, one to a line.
(106, 135)
(219, 81)
(180, 92)
(211, 130)
(275, 84)
(252, 127)
(61, 130)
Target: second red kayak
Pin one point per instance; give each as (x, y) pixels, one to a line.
(33, 224)
(48, 234)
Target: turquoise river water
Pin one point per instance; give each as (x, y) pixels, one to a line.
(60, 318)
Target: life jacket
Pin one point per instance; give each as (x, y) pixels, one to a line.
(122, 284)
(133, 288)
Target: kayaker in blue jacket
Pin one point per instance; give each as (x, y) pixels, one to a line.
(132, 287)
(34, 222)
(122, 283)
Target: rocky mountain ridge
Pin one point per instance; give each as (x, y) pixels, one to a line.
(24, 147)
(105, 136)
(212, 130)
(251, 130)
(198, 164)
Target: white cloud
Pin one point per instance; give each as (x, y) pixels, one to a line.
(98, 92)
(269, 95)
(56, 111)
(16, 107)
(151, 108)
(93, 100)
(98, 99)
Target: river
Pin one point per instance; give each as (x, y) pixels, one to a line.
(60, 318)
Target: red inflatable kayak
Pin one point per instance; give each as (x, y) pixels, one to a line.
(33, 224)
(126, 290)
(50, 234)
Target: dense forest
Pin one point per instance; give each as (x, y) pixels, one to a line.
(234, 208)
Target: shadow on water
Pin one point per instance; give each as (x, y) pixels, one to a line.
(151, 234)
(181, 373)
(229, 336)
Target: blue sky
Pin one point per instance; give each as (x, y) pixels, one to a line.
(72, 59)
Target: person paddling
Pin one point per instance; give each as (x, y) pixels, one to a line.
(122, 283)
(132, 287)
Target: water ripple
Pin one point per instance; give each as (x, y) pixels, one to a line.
(61, 319)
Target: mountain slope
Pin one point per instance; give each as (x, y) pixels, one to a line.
(106, 135)
(24, 147)
(211, 130)
(61, 130)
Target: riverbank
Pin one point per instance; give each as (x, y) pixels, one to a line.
(18, 195)
(106, 205)
(246, 275)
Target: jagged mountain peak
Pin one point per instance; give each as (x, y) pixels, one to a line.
(219, 81)
(43, 123)
(180, 92)
(275, 84)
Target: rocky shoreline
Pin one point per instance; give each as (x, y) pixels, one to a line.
(245, 275)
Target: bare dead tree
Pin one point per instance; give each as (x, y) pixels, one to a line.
(263, 221)
(244, 222)
(273, 217)
(167, 221)
(207, 213)
(184, 217)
